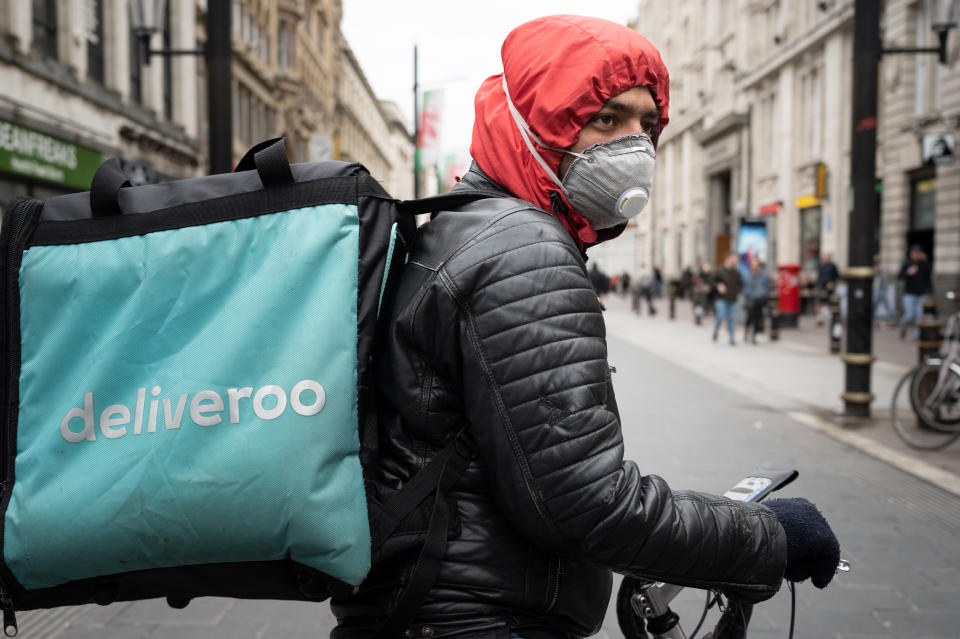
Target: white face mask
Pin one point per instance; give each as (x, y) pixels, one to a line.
(607, 183)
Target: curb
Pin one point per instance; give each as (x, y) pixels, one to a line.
(803, 413)
(929, 473)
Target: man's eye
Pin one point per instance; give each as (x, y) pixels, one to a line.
(604, 120)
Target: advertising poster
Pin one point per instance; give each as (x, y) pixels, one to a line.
(751, 243)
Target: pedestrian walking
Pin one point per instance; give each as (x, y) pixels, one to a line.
(917, 286)
(881, 292)
(827, 277)
(709, 287)
(728, 284)
(756, 290)
(599, 280)
(643, 289)
(686, 282)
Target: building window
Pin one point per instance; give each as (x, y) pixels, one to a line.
(282, 48)
(235, 108)
(136, 87)
(167, 68)
(923, 203)
(927, 97)
(810, 241)
(244, 115)
(235, 13)
(286, 45)
(93, 17)
(45, 27)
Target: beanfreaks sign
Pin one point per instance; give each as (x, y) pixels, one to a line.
(33, 154)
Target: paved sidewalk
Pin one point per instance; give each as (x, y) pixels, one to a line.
(793, 375)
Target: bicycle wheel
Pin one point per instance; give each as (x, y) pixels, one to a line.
(941, 412)
(908, 425)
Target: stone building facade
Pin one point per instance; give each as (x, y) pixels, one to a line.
(75, 91)
(760, 137)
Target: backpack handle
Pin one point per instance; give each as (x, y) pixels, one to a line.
(105, 188)
(270, 160)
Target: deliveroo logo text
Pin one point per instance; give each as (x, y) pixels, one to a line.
(206, 407)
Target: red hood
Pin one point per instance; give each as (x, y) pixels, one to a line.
(560, 71)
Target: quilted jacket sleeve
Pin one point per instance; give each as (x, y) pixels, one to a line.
(537, 394)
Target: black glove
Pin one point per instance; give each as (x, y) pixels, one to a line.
(812, 549)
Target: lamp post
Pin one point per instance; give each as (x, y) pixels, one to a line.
(867, 51)
(147, 17)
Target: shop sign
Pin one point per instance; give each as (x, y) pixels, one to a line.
(36, 155)
(938, 148)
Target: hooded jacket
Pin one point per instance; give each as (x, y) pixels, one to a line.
(560, 70)
(496, 331)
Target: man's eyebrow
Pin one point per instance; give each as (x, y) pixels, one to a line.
(631, 110)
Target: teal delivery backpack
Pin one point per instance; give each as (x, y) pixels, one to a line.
(186, 406)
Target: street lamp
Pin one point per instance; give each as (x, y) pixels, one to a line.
(148, 17)
(945, 19)
(867, 51)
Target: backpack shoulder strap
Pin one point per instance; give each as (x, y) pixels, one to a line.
(447, 201)
(438, 476)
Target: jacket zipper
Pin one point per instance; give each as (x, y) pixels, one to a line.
(556, 587)
(21, 225)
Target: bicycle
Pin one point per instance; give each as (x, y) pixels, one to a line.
(933, 388)
(643, 606)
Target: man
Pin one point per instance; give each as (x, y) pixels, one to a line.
(827, 277)
(728, 284)
(756, 289)
(917, 286)
(496, 334)
(643, 289)
(881, 289)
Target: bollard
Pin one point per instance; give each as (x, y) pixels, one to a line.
(774, 317)
(930, 338)
(836, 326)
(930, 307)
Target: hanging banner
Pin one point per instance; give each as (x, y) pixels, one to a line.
(428, 140)
(454, 166)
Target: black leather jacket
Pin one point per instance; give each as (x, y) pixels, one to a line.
(496, 327)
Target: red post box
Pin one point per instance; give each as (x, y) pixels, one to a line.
(789, 287)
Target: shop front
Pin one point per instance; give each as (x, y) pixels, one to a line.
(40, 165)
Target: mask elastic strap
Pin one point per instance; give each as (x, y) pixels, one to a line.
(527, 134)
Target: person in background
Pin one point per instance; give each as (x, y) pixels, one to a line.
(917, 286)
(826, 286)
(599, 280)
(643, 287)
(881, 286)
(625, 283)
(657, 281)
(728, 284)
(686, 282)
(709, 286)
(756, 289)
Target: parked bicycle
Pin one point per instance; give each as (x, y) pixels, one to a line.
(643, 607)
(925, 408)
